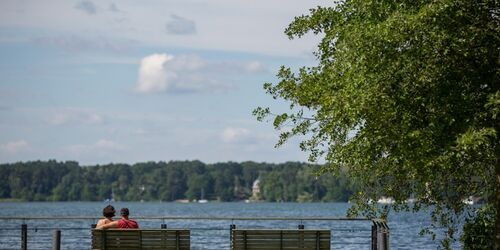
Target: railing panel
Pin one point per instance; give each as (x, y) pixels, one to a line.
(211, 233)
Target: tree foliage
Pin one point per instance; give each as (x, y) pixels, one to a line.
(479, 231)
(405, 98)
(153, 181)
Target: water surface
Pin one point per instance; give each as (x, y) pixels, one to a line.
(205, 234)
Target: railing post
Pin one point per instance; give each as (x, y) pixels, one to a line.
(56, 240)
(177, 240)
(24, 236)
(380, 235)
(385, 236)
(231, 227)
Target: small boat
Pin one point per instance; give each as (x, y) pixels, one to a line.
(202, 200)
(385, 200)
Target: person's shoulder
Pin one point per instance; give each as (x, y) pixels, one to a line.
(135, 224)
(104, 221)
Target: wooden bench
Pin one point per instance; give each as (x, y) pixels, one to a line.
(128, 239)
(277, 239)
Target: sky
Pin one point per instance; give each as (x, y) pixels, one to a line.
(129, 81)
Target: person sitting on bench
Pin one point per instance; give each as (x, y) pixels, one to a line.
(108, 212)
(124, 222)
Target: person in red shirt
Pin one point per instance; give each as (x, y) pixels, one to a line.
(124, 222)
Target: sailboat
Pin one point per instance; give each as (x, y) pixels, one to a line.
(202, 199)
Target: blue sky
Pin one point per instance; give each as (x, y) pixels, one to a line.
(131, 81)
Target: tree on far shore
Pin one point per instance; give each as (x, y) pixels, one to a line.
(405, 99)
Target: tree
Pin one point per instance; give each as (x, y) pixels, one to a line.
(405, 98)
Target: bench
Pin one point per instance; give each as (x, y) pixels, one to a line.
(277, 239)
(128, 239)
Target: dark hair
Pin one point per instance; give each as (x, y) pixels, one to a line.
(124, 211)
(108, 211)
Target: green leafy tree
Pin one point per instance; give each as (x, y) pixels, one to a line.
(405, 98)
(4, 182)
(198, 185)
(67, 181)
(479, 231)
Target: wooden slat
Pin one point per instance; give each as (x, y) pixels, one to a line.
(275, 239)
(161, 239)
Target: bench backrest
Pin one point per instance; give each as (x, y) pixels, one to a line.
(161, 239)
(276, 239)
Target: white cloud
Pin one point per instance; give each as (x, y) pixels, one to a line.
(14, 146)
(153, 75)
(75, 116)
(233, 135)
(190, 73)
(255, 66)
(187, 63)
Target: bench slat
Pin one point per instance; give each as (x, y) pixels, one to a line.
(161, 239)
(278, 239)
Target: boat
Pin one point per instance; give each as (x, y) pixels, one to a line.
(385, 200)
(202, 200)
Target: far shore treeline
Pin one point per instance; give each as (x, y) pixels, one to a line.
(169, 181)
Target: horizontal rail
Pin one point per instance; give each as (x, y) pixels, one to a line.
(190, 218)
(208, 232)
(191, 228)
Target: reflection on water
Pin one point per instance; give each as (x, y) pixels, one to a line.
(205, 234)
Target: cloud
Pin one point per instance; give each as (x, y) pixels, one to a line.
(218, 25)
(235, 135)
(167, 73)
(100, 146)
(239, 67)
(181, 26)
(75, 116)
(190, 73)
(107, 145)
(153, 75)
(87, 7)
(76, 43)
(187, 63)
(14, 146)
(254, 67)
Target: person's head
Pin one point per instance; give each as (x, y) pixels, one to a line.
(108, 211)
(124, 212)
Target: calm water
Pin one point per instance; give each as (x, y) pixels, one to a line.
(206, 234)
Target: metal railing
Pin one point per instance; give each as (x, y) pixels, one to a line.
(380, 235)
(34, 232)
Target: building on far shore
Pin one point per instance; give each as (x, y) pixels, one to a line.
(255, 190)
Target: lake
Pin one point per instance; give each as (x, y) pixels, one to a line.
(205, 234)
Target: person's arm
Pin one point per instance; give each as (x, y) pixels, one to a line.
(113, 224)
(101, 222)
